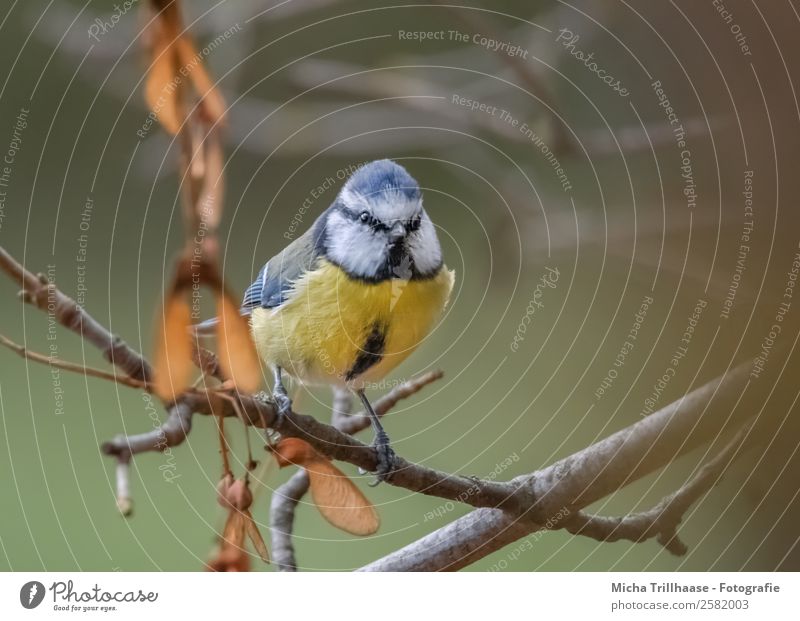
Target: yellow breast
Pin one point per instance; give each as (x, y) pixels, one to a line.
(334, 329)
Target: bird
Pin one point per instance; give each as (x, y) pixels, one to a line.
(352, 297)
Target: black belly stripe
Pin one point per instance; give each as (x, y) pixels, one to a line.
(371, 352)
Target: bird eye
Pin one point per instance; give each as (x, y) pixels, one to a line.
(415, 222)
(365, 217)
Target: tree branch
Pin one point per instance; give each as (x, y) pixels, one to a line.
(575, 482)
(286, 497)
(506, 510)
(663, 519)
(36, 290)
(281, 519)
(74, 367)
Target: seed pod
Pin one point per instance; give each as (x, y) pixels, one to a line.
(223, 487)
(237, 353)
(173, 358)
(239, 495)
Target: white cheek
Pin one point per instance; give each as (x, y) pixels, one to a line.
(423, 245)
(353, 246)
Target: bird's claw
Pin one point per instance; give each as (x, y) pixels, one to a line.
(386, 459)
(284, 408)
(282, 403)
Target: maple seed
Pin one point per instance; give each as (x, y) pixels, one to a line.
(337, 498)
(173, 360)
(239, 496)
(222, 488)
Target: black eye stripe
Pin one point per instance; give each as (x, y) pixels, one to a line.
(374, 223)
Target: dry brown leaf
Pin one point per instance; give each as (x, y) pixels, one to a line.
(237, 353)
(255, 537)
(234, 531)
(229, 559)
(162, 91)
(173, 357)
(336, 496)
(294, 451)
(237, 496)
(212, 104)
(175, 65)
(340, 501)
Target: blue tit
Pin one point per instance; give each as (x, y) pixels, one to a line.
(351, 298)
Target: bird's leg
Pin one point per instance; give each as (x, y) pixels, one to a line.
(381, 443)
(281, 396)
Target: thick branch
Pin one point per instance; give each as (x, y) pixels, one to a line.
(576, 481)
(664, 518)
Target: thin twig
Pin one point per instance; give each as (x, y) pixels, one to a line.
(71, 366)
(38, 291)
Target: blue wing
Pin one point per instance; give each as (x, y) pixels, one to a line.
(252, 295)
(275, 281)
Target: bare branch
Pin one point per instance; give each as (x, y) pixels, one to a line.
(507, 510)
(576, 481)
(36, 290)
(353, 423)
(70, 366)
(664, 518)
(171, 433)
(281, 519)
(286, 498)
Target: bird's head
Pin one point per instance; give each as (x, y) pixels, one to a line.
(377, 228)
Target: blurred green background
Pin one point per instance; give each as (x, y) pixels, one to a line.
(315, 87)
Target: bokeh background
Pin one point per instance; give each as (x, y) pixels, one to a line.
(318, 86)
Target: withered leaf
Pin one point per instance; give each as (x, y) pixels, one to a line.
(340, 501)
(237, 353)
(173, 357)
(162, 89)
(175, 65)
(212, 104)
(294, 451)
(255, 537)
(335, 495)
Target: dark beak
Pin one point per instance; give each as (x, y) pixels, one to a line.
(397, 233)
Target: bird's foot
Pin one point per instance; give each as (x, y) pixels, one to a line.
(282, 403)
(386, 459)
